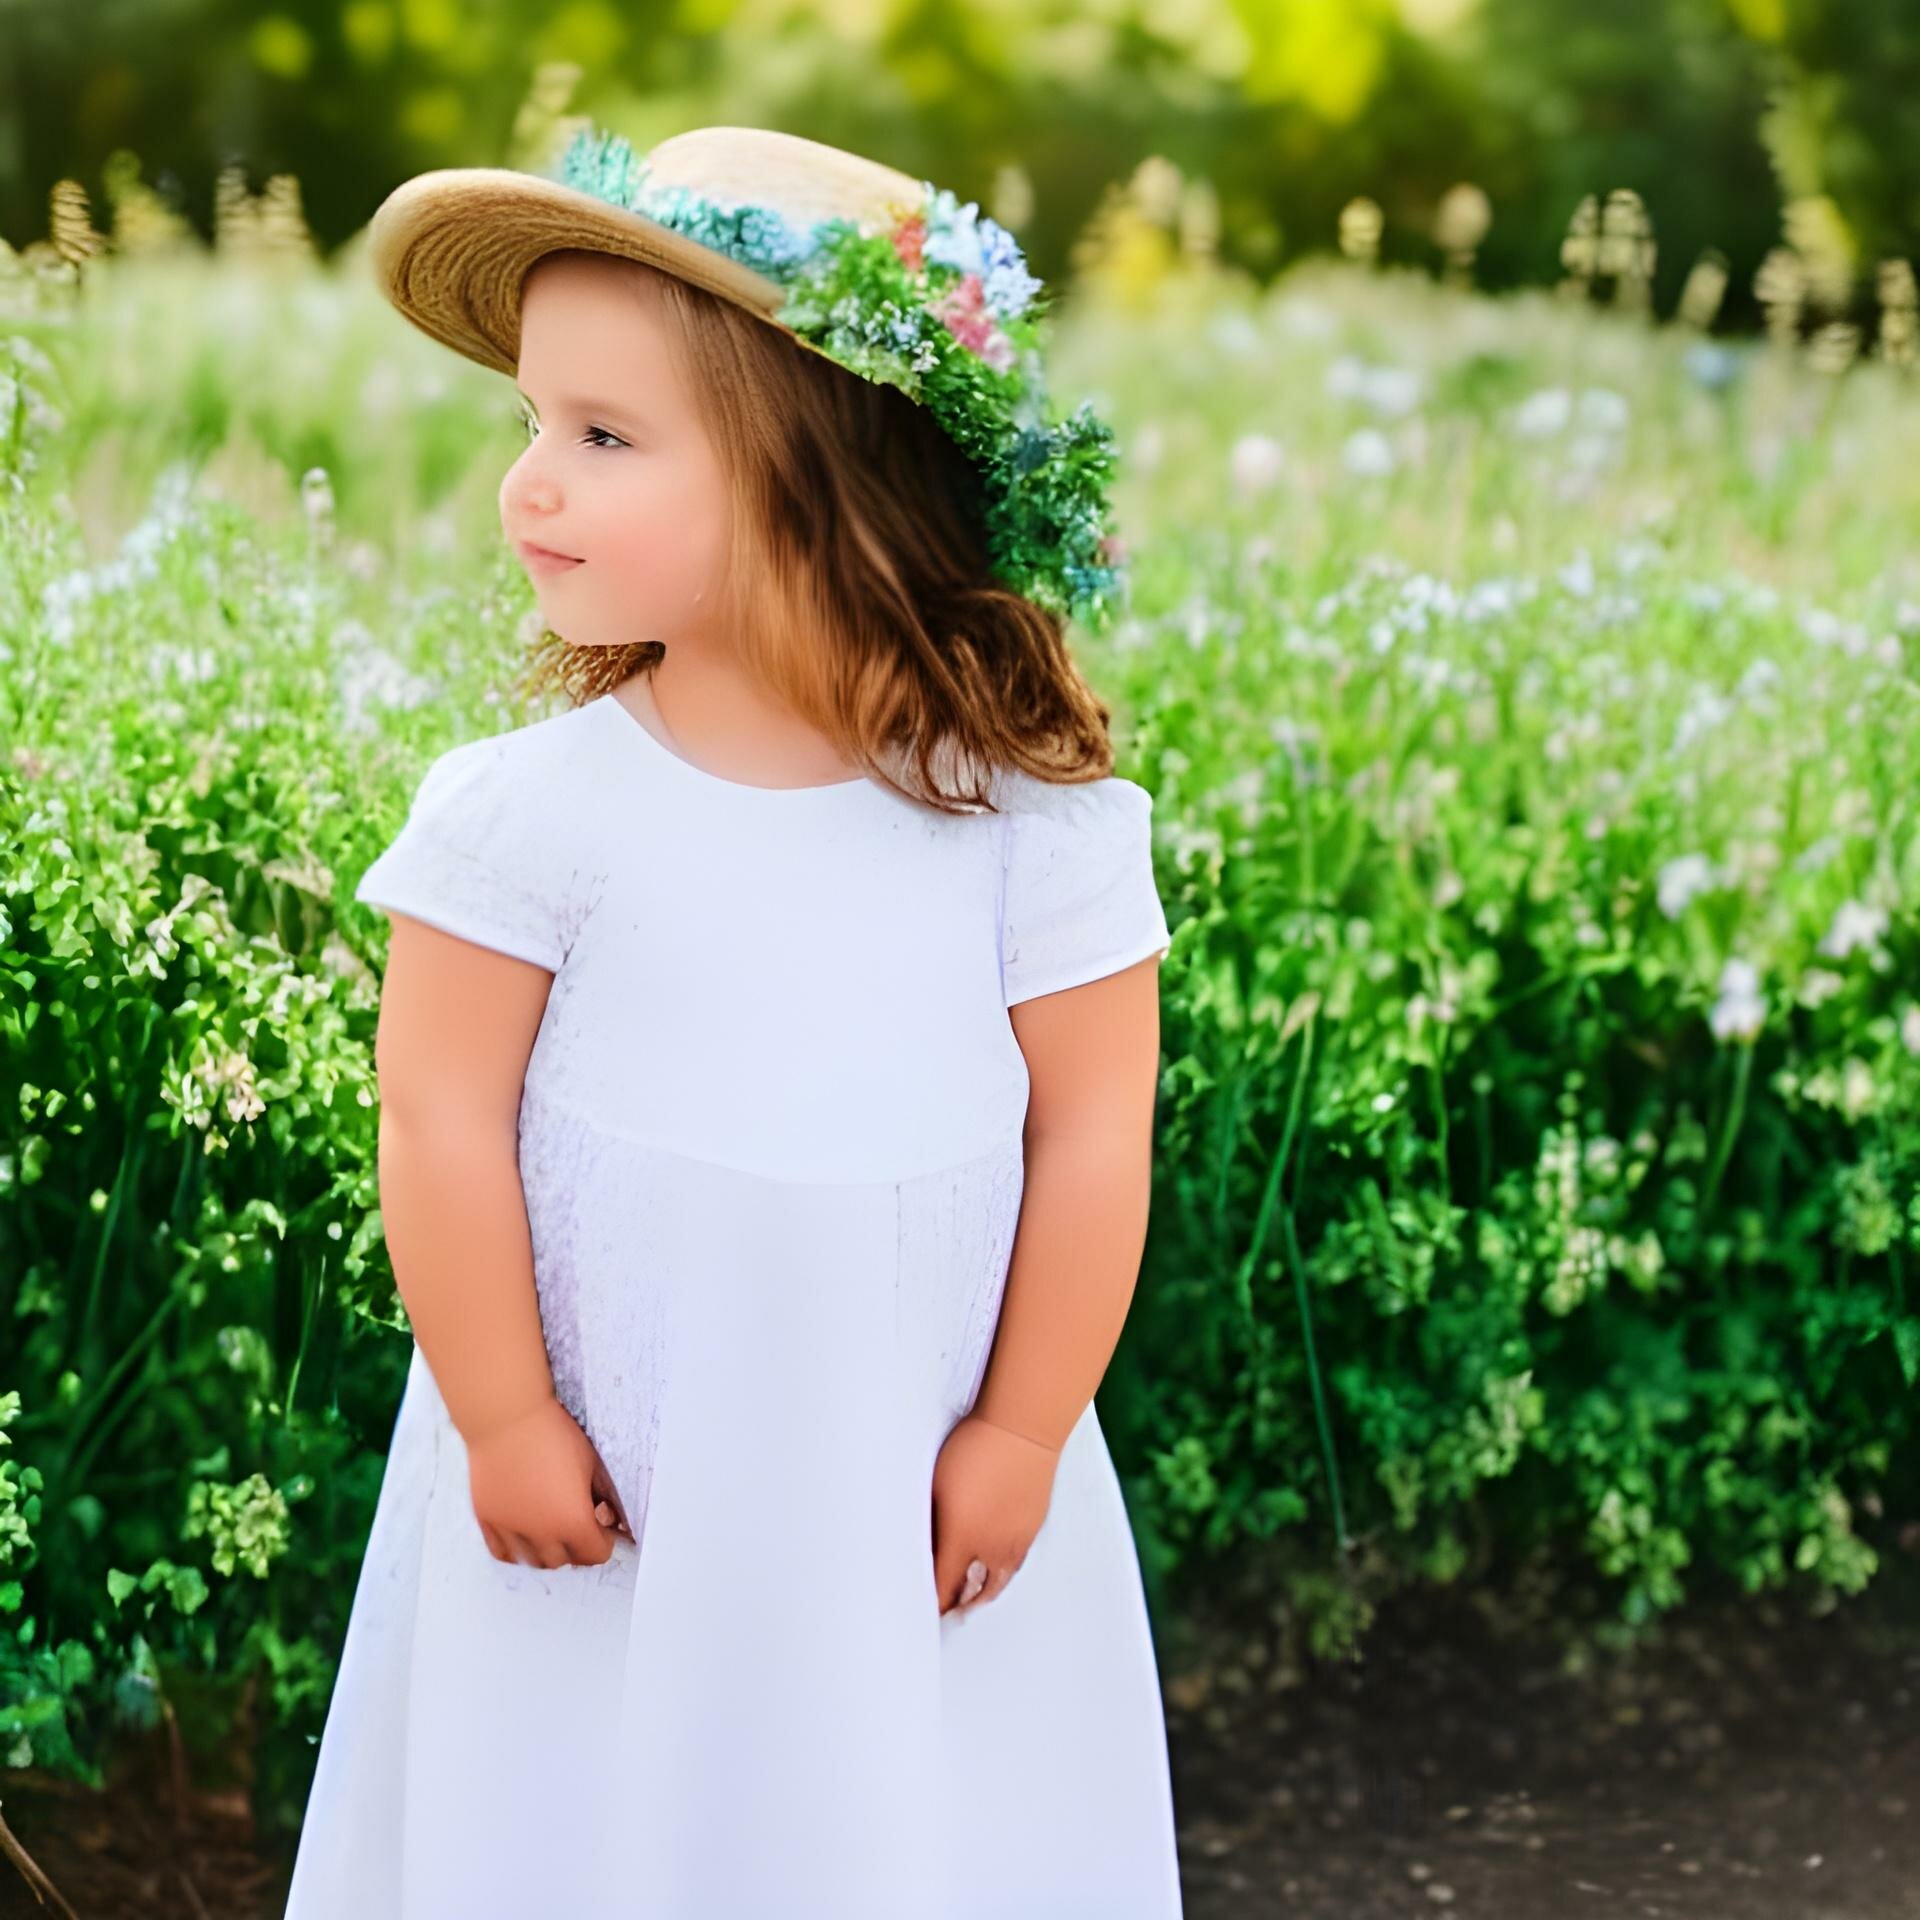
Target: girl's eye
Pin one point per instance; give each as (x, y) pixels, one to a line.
(593, 437)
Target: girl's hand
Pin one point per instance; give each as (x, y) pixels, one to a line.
(991, 1491)
(541, 1493)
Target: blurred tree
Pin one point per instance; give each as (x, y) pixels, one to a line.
(1716, 113)
(1660, 97)
(1840, 126)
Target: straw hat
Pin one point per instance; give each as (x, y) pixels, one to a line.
(885, 274)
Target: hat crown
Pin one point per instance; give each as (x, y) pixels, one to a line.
(805, 181)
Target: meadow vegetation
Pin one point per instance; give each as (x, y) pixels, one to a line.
(1527, 688)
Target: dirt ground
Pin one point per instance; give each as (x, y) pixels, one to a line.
(1751, 1766)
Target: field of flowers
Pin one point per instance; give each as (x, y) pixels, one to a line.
(1529, 697)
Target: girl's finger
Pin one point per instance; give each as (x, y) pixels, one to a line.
(605, 1494)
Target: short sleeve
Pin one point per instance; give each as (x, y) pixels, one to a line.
(1080, 900)
(475, 857)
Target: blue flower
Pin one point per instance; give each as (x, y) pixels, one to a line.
(964, 238)
(1712, 365)
(605, 166)
(1009, 286)
(756, 236)
(952, 237)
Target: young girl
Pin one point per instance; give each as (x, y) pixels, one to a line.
(749, 1548)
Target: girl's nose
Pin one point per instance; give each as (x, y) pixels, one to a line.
(534, 492)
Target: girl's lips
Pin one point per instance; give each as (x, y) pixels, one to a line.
(544, 559)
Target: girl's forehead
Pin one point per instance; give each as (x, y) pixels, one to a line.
(583, 310)
(594, 335)
(590, 279)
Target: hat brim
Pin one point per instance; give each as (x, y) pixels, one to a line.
(451, 250)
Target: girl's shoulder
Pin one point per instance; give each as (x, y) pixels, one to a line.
(497, 845)
(540, 774)
(1086, 803)
(1079, 898)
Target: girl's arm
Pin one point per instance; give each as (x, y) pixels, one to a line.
(1093, 1055)
(457, 1026)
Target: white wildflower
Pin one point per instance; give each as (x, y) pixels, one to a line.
(1256, 461)
(370, 679)
(1543, 414)
(1392, 391)
(1489, 599)
(1368, 453)
(1827, 629)
(1818, 984)
(1577, 575)
(1854, 926)
(1703, 713)
(1856, 1088)
(1603, 410)
(1236, 333)
(1304, 319)
(61, 602)
(1346, 377)
(1741, 1010)
(316, 497)
(1589, 452)
(191, 664)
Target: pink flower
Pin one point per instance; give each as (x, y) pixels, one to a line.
(909, 237)
(998, 353)
(963, 310)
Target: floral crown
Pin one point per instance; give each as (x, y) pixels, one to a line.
(941, 306)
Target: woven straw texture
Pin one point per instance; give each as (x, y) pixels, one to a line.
(451, 248)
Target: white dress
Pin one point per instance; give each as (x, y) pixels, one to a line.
(771, 1148)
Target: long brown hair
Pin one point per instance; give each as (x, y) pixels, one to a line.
(858, 544)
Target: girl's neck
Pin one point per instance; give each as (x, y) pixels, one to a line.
(778, 752)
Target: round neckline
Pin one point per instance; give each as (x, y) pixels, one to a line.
(652, 742)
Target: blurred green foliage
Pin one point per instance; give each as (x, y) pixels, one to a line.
(1716, 112)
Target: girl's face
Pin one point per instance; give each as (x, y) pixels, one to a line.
(618, 475)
